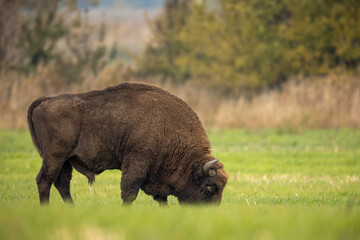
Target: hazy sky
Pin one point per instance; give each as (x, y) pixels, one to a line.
(139, 4)
(126, 10)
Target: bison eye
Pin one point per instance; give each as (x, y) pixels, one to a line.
(210, 190)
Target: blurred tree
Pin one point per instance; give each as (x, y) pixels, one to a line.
(250, 45)
(55, 31)
(41, 29)
(83, 49)
(9, 19)
(160, 54)
(35, 28)
(322, 35)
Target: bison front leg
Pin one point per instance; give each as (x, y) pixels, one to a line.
(134, 172)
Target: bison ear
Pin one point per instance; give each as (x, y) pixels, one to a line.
(208, 168)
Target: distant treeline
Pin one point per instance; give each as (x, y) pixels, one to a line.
(251, 45)
(233, 46)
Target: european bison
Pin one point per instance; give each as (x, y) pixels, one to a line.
(153, 137)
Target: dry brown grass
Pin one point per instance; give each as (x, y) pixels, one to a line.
(323, 102)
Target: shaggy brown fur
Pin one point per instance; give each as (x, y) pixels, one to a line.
(154, 137)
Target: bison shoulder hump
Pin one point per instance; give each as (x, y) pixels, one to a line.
(78, 104)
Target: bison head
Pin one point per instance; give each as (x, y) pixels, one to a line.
(205, 183)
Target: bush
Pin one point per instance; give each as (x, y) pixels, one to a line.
(251, 45)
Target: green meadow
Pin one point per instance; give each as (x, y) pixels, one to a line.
(282, 184)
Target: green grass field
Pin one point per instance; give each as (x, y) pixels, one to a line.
(282, 185)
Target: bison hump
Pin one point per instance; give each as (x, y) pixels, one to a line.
(78, 104)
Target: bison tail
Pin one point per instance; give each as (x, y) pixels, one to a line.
(36, 103)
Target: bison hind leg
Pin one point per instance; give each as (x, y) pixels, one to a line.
(47, 175)
(62, 182)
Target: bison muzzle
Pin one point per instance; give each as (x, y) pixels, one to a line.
(153, 137)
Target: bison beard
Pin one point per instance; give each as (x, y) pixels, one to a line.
(153, 137)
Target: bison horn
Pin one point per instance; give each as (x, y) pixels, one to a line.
(207, 168)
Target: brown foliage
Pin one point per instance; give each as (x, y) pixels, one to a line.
(322, 102)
